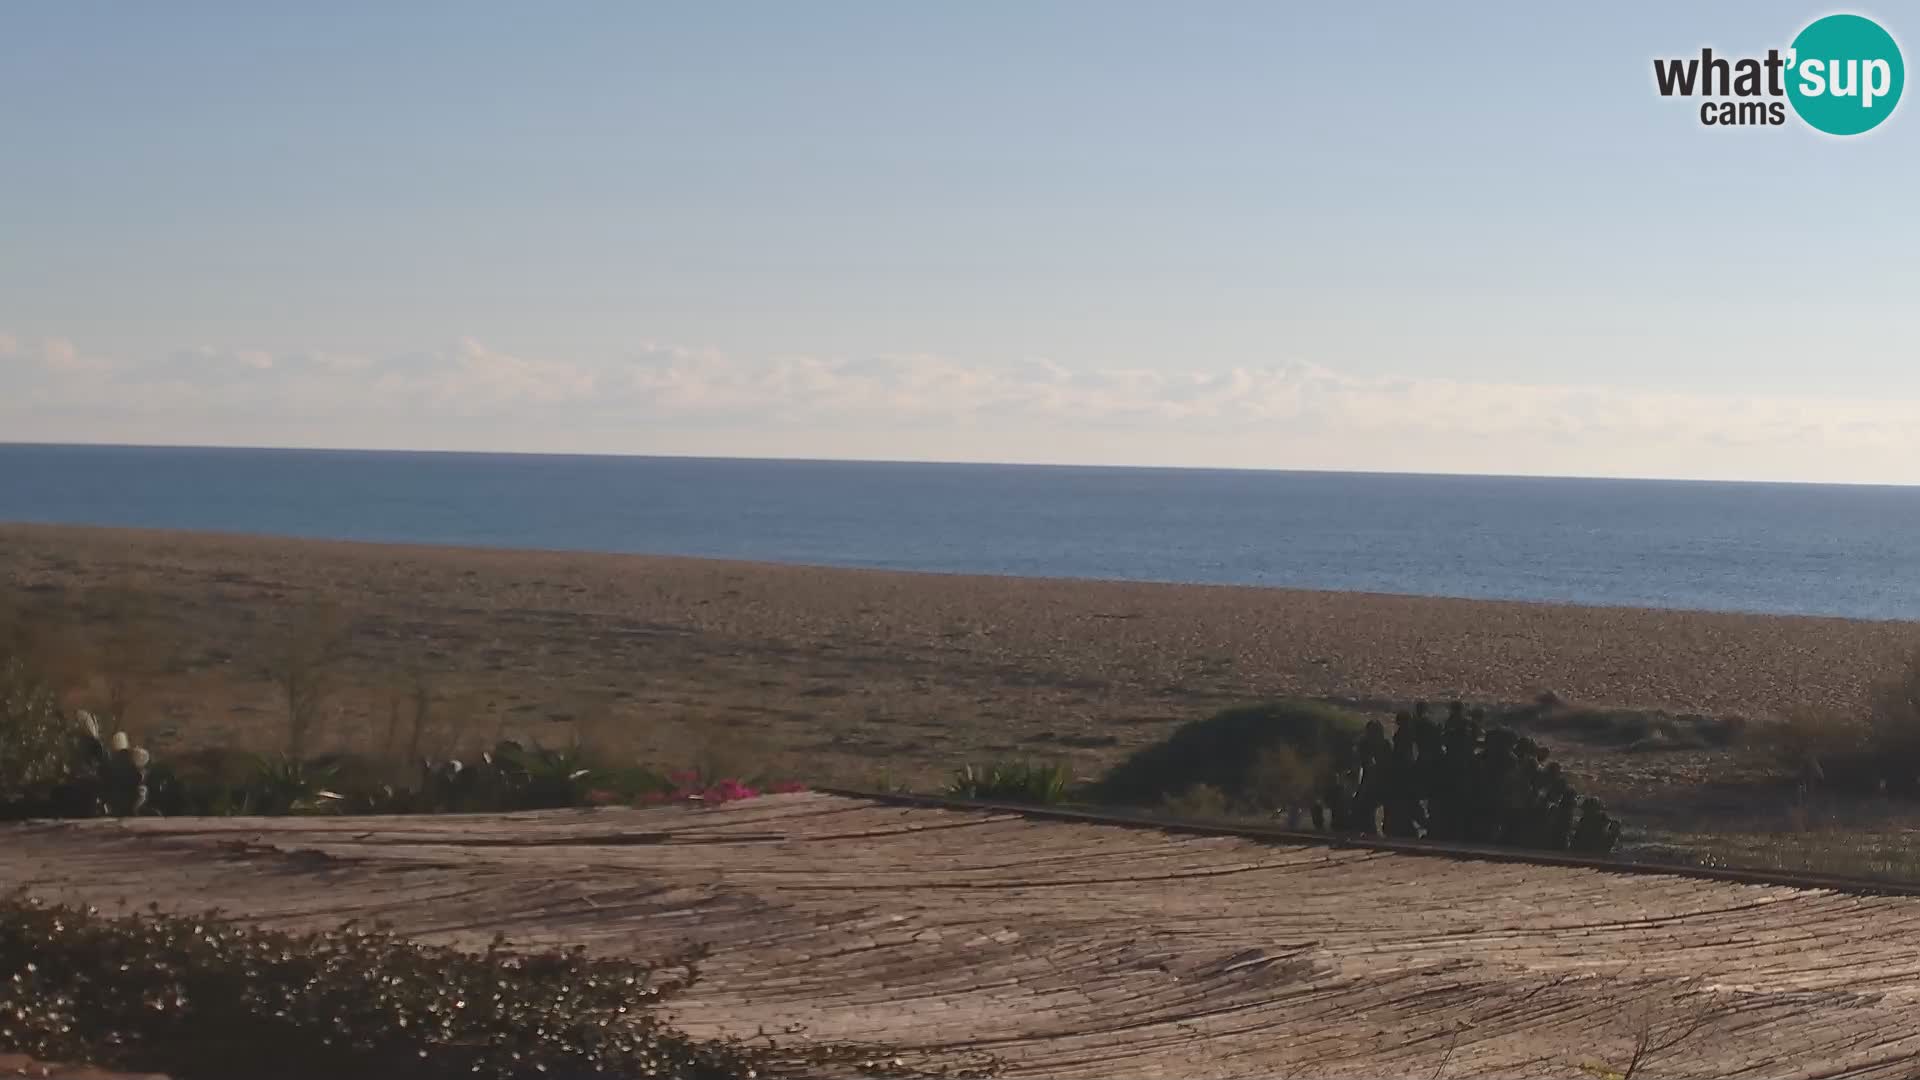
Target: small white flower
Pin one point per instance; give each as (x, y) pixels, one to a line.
(120, 741)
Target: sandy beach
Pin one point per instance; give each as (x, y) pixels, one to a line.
(846, 674)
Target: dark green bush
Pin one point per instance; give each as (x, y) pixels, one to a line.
(71, 773)
(1225, 750)
(209, 782)
(54, 766)
(36, 742)
(203, 998)
(1458, 781)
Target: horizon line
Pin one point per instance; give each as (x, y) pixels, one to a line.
(4, 443)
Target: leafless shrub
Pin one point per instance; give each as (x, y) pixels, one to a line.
(420, 702)
(305, 665)
(1658, 1028)
(1453, 1043)
(1659, 1033)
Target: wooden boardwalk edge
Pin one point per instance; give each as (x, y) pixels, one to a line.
(1856, 886)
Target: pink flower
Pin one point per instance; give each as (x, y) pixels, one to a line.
(602, 797)
(687, 788)
(728, 791)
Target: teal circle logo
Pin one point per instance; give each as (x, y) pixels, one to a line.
(1845, 74)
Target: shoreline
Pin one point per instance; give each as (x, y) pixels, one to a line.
(427, 547)
(852, 671)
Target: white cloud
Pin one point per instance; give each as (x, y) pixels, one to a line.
(673, 399)
(56, 355)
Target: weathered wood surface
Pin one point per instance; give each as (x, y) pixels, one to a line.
(1080, 950)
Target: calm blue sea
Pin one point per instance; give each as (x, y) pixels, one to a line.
(1785, 548)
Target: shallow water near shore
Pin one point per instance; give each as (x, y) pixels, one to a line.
(1850, 551)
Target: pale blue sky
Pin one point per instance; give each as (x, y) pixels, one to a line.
(1402, 236)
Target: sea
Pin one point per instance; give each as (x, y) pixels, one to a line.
(1808, 549)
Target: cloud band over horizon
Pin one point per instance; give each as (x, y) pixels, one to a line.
(666, 399)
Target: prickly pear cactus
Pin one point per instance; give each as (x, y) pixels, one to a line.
(113, 778)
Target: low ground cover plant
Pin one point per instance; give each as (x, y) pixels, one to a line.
(202, 998)
(55, 765)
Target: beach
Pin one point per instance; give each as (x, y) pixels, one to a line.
(848, 676)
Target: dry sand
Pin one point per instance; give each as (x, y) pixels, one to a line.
(844, 673)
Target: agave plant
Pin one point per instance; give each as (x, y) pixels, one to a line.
(1011, 782)
(283, 784)
(539, 778)
(112, 772)
(446, 785)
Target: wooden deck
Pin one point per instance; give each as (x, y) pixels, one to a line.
(1083, 950)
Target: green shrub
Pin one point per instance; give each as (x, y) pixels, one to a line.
(210, 782)
(538, 778)
(510, 776)
(223, 783)
(287, 785)
(1226, 751)
(36, 744)
(1023, 782)
(1460, 781)
(55, 766)
(202, 997)
(89, 777)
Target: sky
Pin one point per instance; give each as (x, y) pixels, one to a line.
(1385, 236)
